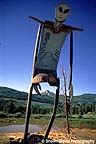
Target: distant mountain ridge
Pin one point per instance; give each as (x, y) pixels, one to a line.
(46, 97)
(47, 92)
(6, 92)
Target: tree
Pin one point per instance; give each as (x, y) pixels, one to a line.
(80, 110)
(9, 107)
(93, 107)
(76, 110)
(21, 109)
(67, 104)
(73, 110)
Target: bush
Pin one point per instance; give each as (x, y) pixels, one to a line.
(80, 116)
(9, 107)
(3, 115)
(18, 115)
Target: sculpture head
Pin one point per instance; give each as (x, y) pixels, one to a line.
(62, 12)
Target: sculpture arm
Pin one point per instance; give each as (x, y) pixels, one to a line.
(70, 28)
(71, 64)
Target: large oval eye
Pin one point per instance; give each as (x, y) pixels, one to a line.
(60, 9)
(66, 11)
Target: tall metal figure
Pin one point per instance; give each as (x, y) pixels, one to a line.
(50, 39)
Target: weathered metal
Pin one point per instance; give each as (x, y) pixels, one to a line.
(50, 24)
(46, 56)
(54, 110)
(36, 48)
(45, 78)
(28, 112)
(28, 109)
(71, 59)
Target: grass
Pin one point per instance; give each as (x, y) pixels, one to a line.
(60, 121)
(83, 122)
(43, 120)
(4, 140)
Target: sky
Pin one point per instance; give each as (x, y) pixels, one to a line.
(18, 35)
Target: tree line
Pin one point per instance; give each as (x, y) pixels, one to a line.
(83, 109)
(12, 108)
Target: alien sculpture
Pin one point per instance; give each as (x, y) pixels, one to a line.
(50, 39)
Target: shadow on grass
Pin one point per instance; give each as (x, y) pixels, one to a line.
(33, 139)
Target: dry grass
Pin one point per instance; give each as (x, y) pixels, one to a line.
(61, 134)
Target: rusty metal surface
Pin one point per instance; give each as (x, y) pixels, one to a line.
(49, 24)
(45, 78)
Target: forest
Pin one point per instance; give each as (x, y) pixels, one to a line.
(14, 102)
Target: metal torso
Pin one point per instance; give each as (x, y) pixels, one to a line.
(50, 48)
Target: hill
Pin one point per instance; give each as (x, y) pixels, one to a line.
(84, 99)
(6, 92)
(13, 104)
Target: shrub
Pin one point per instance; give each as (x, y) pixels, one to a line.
(3, 115)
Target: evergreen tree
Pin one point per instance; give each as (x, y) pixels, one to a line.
(9, 107)
(81, 110)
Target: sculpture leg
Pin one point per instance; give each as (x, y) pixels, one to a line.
(28, 113)
(54, 111)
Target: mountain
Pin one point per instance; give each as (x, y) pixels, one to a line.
(6, 92)
(46, 97)
(49, 93)
(84, 99)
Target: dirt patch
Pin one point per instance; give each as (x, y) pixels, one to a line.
(61, 134)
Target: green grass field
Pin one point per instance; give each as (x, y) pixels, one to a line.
(60, 121)
(42, 121)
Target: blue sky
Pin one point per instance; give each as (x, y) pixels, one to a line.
(17, 41)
